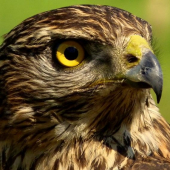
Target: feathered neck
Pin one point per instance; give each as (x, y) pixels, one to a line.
(117, 128)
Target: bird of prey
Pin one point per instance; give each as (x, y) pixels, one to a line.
(75, 93)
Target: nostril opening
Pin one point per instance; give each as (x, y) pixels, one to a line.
(131, 58)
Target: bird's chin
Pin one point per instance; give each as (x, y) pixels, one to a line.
(137, 84)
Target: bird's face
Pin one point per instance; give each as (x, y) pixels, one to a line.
(75, 64)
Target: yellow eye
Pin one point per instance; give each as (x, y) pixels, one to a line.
(70, 53)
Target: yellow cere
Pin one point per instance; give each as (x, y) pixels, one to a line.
(136, 45)
(62, 58)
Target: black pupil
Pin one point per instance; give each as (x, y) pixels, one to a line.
(71, 53)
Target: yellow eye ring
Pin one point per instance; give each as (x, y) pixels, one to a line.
(70, 53)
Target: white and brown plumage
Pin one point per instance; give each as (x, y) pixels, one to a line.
(98, 114)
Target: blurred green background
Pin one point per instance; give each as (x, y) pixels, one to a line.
(156, 12)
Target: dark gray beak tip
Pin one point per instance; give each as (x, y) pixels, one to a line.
(158, 90)
(158, 98)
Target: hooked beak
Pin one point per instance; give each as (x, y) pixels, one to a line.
(147, 74)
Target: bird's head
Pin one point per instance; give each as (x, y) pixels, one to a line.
(76, 66)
